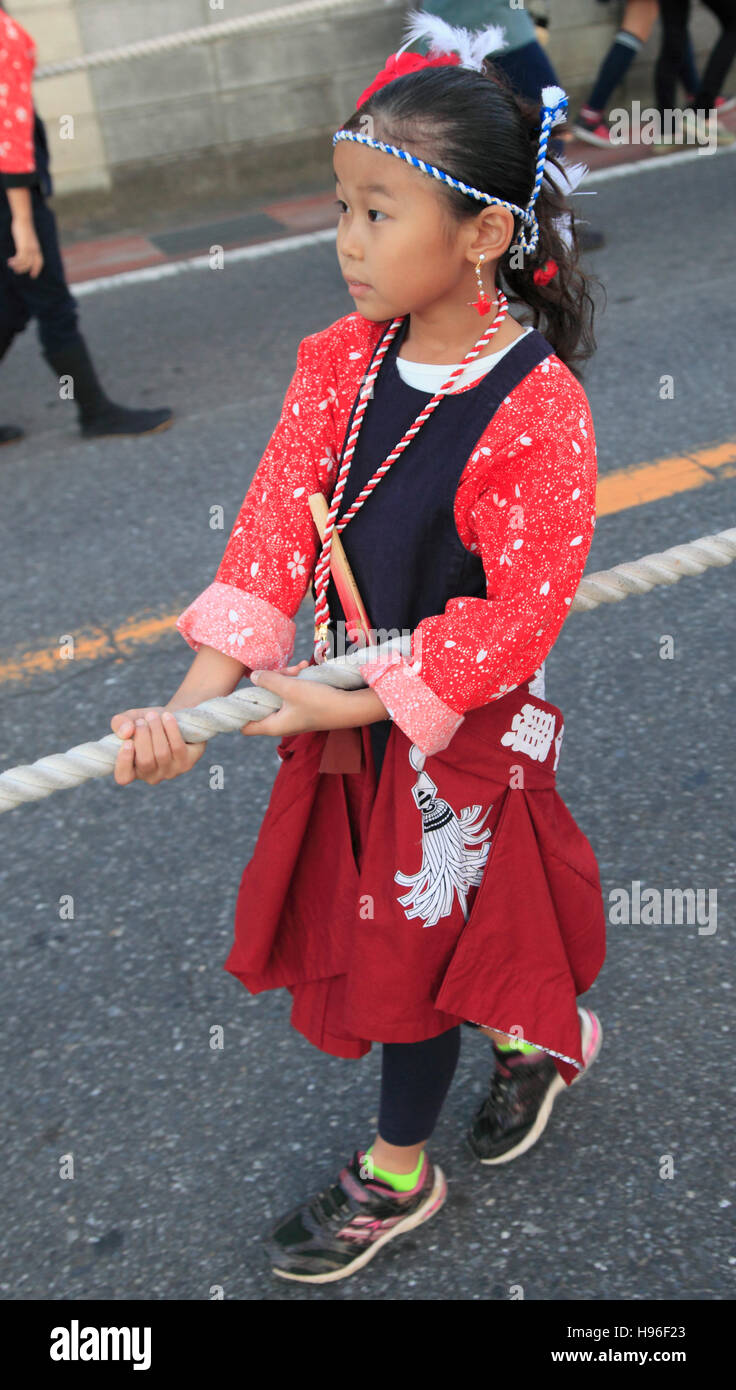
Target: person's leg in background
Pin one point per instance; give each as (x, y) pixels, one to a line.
(691, 82)
(688, 73)
(721, 56)
(636, 25)
(14, 315)
(49, 300)
(675, 15)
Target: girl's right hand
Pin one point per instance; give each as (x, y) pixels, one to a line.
(154, 750)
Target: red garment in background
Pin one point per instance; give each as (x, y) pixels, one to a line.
(17, 62)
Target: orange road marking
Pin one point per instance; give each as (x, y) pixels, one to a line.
(649, 482)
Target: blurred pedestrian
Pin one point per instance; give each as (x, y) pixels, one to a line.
(637, 22)
(703, 102)
(32, 279)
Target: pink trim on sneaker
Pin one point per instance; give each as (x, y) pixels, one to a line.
(594, 1034)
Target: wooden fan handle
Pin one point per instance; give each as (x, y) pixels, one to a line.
(356, 618)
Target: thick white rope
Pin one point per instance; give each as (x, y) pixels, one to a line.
(661, 567)
(205, 33)
(228, 713)
(224, 714)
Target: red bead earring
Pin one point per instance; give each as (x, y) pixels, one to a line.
(482, 303)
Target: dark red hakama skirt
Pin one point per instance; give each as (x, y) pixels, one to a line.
(504, 928)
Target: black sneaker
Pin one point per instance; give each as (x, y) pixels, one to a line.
(521, 1095)
(342, 1228)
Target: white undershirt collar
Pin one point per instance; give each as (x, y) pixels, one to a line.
(429, 376)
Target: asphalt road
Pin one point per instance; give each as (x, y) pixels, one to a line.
(183, 1156)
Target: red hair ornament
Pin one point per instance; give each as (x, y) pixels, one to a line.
(544, 273)
(398, 64)
(449, 44)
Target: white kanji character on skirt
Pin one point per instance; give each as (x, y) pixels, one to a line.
(531, 732)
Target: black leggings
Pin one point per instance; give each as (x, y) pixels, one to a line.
(415, 1078)
(674, 15)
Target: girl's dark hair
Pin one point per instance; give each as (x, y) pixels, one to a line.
(474, 126)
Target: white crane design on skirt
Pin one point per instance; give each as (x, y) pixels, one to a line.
(448, 865)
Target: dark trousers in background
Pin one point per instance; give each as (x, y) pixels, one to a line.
(529, 70)
(675, 15)
(47, 298)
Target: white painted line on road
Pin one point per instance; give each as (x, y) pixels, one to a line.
(231, 254)
(665, 161)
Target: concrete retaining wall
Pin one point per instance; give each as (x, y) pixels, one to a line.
(254, 112)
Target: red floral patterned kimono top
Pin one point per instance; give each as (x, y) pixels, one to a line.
(503, 922)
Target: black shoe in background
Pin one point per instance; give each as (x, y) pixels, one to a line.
(589, 239)
(98, 415)
(9, 434)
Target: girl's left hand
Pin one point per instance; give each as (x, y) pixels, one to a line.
(28, 258)
(307, 706)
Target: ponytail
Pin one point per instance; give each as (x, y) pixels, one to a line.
(561, 303)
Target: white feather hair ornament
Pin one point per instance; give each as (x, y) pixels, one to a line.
(471, 48)
(566, 180)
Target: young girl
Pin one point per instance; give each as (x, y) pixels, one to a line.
(416, 868)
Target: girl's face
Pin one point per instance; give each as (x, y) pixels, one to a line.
(396, 240)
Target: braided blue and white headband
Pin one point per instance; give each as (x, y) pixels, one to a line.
(472, 49)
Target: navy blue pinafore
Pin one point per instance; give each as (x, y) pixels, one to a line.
(402, 545)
